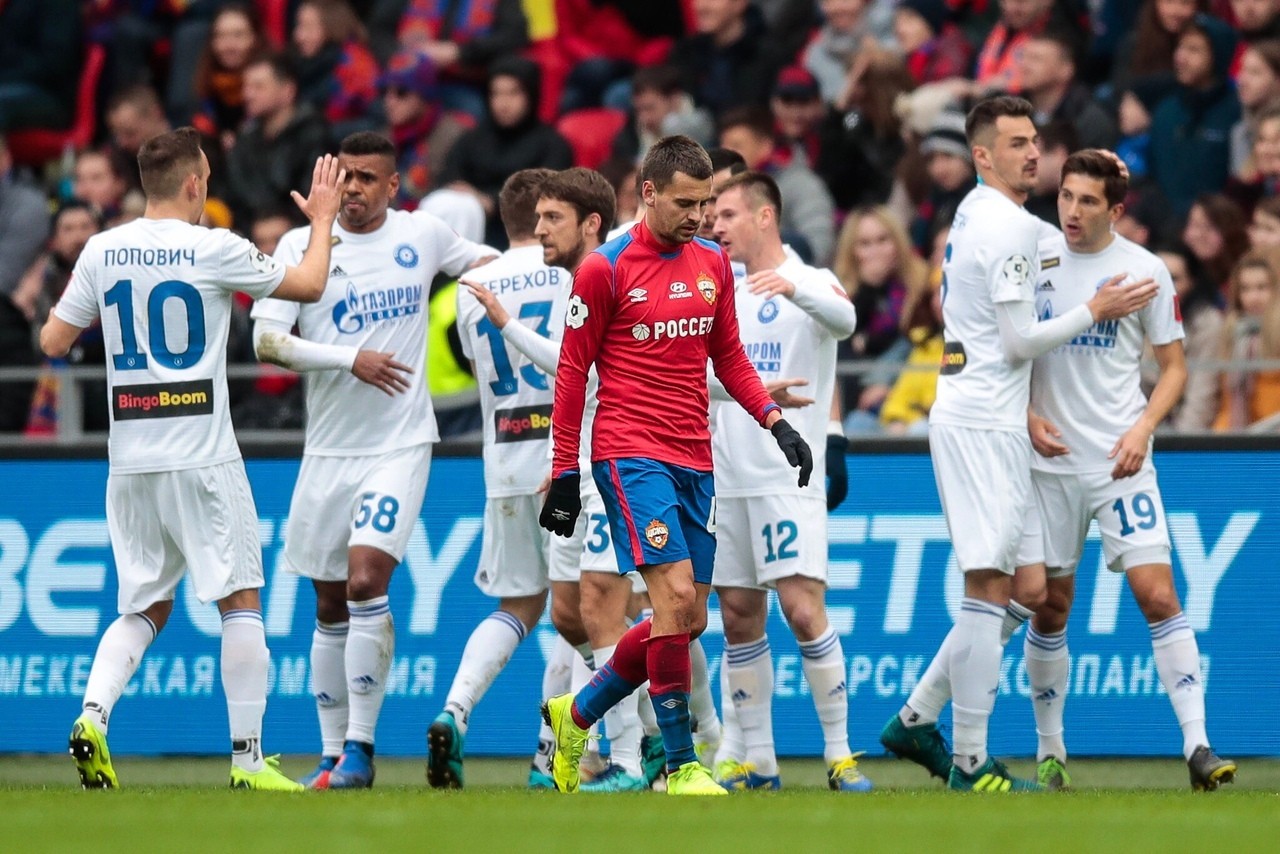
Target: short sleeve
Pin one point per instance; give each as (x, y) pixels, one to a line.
(245, 267)
(1162, 319)
(79, 302)
(469, 309)
(1012, 262)
(285, 311)
(456, 252)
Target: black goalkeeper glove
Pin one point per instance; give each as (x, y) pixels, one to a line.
(794, 446)
(837, 470)
(564, 503)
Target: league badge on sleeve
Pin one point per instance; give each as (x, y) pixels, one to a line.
(576, 314)
(1016, 270)
(707, 287)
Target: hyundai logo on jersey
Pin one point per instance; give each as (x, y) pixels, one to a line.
(359, 309)
(406, 256)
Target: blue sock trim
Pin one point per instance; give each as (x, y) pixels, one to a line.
(337, 630)
(1165, 628)
(150, 624)
(672, 712)
(510, 621)
(978, 606)
(1048, 643)
(241, 615)
(374, 607)
(605, 690)
(738, 655)
(820, 646)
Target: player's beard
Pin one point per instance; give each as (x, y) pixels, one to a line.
(568, 259)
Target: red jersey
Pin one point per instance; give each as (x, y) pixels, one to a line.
(649, 315)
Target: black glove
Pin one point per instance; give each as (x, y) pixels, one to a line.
(837, 471)
(794, 446)
(564, 503)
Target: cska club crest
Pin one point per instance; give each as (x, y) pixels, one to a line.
(707, 287)
(657, 533)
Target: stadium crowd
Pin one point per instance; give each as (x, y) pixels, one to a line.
(855, 107)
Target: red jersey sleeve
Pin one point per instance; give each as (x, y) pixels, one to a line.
(587, 315)
(729, 360)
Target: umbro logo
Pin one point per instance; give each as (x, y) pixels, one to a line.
(337, 271)
(638, 294)
(1046, 285)
(672, 703)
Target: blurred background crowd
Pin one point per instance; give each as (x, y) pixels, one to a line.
(856, 107)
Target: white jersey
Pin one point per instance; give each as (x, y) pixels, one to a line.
(1089, 388)
(515, 396)
(782, 340)
(990, 259)
(376, 299)
(163, 289)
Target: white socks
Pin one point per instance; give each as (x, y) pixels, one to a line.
(749, 669)
(1177, 658)
(1047, 667)
(371, 643)
(244, 681)
(933, 691)
(731, 744)
(823, 662)
(329, 684)
(488, 650)
(702, 706)
(974, 667)
(1014, 616)
(119, 653)
(555, 681)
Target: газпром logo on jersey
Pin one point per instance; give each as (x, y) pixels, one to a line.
(162, 400)
(359, 309)
(522, 423)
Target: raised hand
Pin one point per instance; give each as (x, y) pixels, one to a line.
(325, 197)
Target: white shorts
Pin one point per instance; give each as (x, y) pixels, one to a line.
(984, 482)
(764, 538)
(339, 502)
(1129, 511)
(513, 551)
(1031, 543)
(590, 549)
(199, 522)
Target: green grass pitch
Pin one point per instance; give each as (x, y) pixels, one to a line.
(179, 805)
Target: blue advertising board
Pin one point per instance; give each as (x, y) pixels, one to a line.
(894, 591)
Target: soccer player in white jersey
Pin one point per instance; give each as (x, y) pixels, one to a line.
(771, 533)
(370, 428)
(178, 500)
(589, 596)
(977, 434)
(1092, 427)
(515, 401)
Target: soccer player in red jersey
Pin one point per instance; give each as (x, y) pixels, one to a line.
(648, 309)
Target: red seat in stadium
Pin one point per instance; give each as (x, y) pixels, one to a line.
(590, 133)
(37, 146)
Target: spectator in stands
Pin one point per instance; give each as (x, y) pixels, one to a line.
(1058, 141)
(1191, 128)
(134, 115)
(1216, 234)
(934, 48)
(337, 74)
(270, 224)
(40, 52)
(1200, 302)
(1251, 331)
(948, 163)
(1264, 227)
(621, 174)
(1144, 220)
(462, 41)
(659, 107)
(24, 225)
(1266, 162)
(234, 38)
(1256, 19)
(1137, 103)
(99, 181)
(999, 67)
(1048, 68)
(422, 130)
(808, 212)
(508, 139)
(877, 266)
(1258, 87)
(1147, 50)
(906, 409)
(277, 150)
(861, 138)
(732, 58)
(844, 34)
